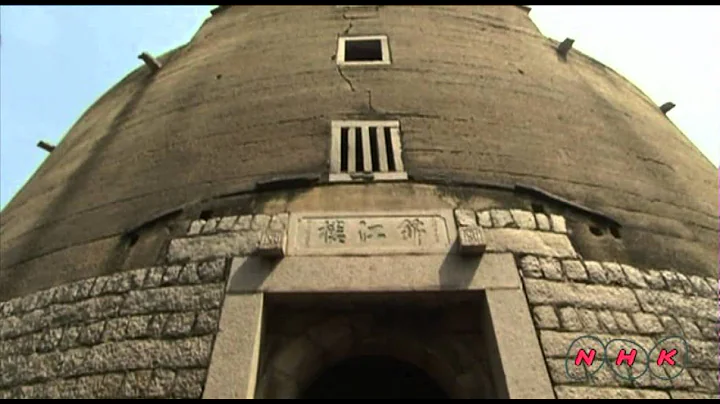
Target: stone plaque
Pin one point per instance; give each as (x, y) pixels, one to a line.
(367, 233)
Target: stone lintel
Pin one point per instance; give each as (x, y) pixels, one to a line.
(398, 273)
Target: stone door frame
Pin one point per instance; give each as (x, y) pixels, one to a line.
(521, 370)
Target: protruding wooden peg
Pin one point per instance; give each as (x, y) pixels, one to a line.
(150, 61)
(46, 146)
(565, 47)
(665, 108)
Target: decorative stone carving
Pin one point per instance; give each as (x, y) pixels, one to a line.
(272, 243)
(371, 233)
(471, 240)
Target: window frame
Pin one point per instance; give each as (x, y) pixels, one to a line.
(335, 152)
(384, 46)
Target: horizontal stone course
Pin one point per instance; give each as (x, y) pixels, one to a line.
(519, 219)
(145, 333)
(617, 301)
(146, 383)
(580, 295)
(595, 393)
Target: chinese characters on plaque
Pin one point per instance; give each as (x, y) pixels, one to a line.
(374, 232)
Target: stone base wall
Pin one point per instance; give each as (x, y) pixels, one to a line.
(146, 333)
(572, 299)
(149, 333)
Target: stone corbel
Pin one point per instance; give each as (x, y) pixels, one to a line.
(273, 243)
(471, 238)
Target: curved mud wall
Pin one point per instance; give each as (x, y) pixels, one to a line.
(480, 94)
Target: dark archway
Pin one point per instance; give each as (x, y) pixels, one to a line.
(373, 377)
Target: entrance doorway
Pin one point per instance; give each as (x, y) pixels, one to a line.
(373, 377)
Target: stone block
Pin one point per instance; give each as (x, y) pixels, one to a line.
(189, 383)
(161, 384)
(210, 226)
(596, 272)
(170, 277)
(464, 217)
(226, 223)
(207, 322)
(707, 380)
(701, 287)
(647, 323)
(654, 280)
(689, 395)
(689, 329)
(607, 321)
(704, 354)
(524, 219)
(575, 270)
(530, 267)
(189, 274)
(279, 222)
(522, 241)
(589, 320)
(172, 299)
(179, 325)
(558, 224)
(272, 243)
(91, 334)
(551, 268)
(569, 319)
(243, 223)
(615, 274)
(195, 227)
(671, 326)
(154, 277)
(635, 278)
(580, 295)
(660, 302)
(624, 322)
(483, 219)
(545, 318)
(212, 271)
(211, 246)
(471, 240)
(501, 218)
(260, 222)
(543, 223)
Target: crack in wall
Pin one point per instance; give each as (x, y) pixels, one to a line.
(370, 100)
(652, 160)
(349, 83)
(339, 70)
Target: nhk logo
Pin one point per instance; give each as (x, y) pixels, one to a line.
(627, 358)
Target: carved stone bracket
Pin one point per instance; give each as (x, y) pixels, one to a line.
(272, 243)
(471, 238)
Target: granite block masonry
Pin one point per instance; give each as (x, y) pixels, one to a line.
(572, 299)
(146, 333)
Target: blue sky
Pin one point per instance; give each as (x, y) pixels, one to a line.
(56, 61)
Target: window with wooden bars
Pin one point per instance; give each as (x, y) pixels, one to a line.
(366, 150)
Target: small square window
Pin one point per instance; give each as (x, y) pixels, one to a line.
(363, 50)
(362, 150)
